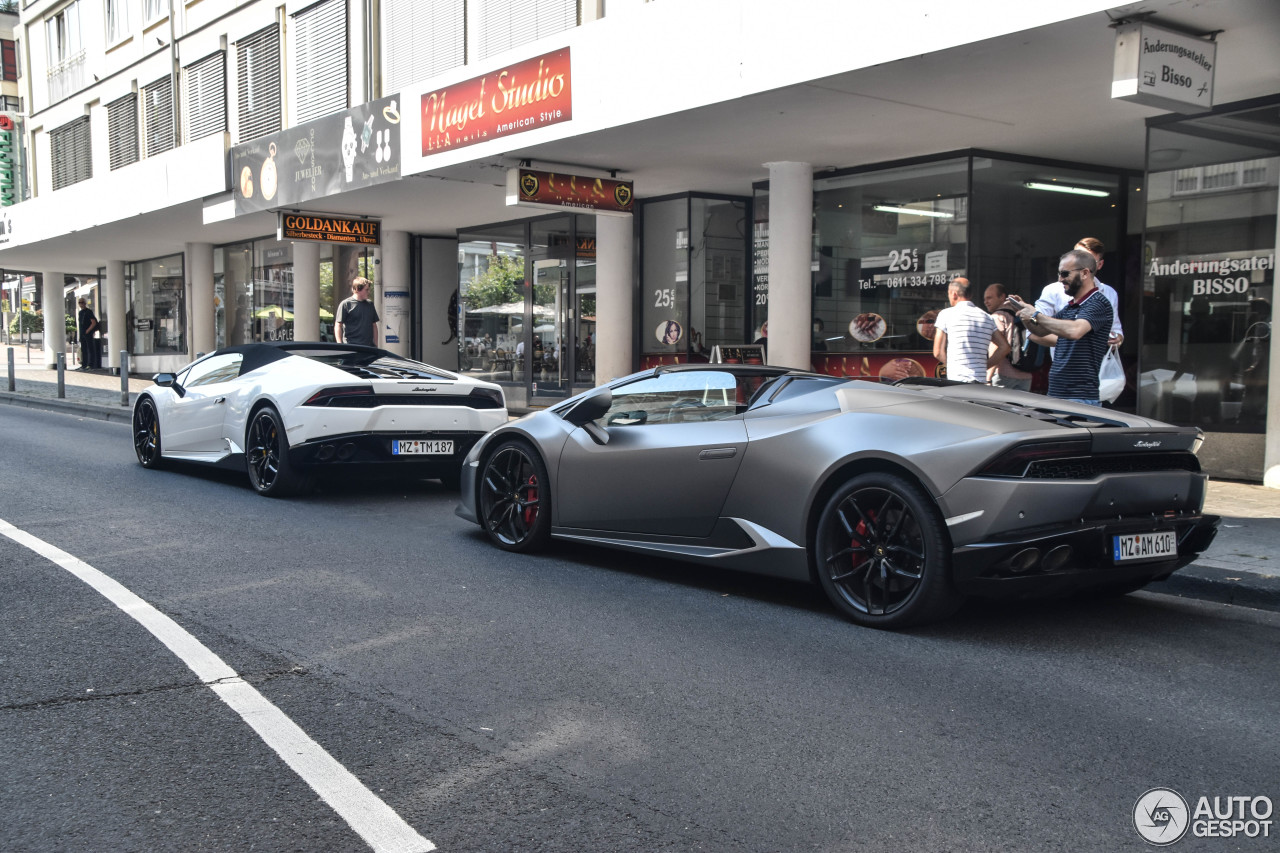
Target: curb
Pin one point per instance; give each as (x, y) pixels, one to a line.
(1242, 588)
(97, 411)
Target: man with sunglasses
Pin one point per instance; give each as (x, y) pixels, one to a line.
(357, 319)
(1078, 334)
(1054, 298)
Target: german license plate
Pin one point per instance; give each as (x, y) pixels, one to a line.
(419, 447)
(1132, 547)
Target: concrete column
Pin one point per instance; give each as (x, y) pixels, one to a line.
(615, 297)
(1271, 453)
(790, 264)
(395, 328)
(306, 291)
(439, 259)
(199, 267)
(55, 312)
(117, 322)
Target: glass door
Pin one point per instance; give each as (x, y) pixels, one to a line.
(552, 253)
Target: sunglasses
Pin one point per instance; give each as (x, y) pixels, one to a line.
(360, 287)
(1067, 273)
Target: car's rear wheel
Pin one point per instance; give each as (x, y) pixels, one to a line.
(267, 456)
(514, 500)
(146, 433)
(882, 553)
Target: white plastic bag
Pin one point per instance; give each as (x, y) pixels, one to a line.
(1110, 376)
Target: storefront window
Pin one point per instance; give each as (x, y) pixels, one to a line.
(156, 307)
(888, 242)
(491, 300)
(694, 278)
(254, 288)
(1209, 270)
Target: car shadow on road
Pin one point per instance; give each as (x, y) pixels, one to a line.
(1080, 619)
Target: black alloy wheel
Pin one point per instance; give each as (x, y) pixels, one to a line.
(515, 502)
(267, 456)
(882, 554)
(146, 433)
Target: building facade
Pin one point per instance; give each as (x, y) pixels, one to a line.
(555, 193)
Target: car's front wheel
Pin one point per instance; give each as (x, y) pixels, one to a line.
(882, 554)
(514, 498)
(146, 433)
(267, 456)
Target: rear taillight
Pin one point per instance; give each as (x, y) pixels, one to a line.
(492, 398)
(1014, 463)
(358, 397)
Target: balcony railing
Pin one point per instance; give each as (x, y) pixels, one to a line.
(66, 77)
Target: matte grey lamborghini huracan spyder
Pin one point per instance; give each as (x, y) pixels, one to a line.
(899, 500)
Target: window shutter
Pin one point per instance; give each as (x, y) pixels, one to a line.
(320, 48)
(206, 96)
(258, 71)
(157, 117)
(508, 23)
(72, 156)
(421, 38)
(122, 130)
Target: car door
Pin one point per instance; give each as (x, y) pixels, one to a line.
(676, 441)
(195, 418)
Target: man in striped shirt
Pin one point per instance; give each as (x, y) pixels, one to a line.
(1079, 332)
(962, 335)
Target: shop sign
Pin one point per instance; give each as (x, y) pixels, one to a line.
(1221, 275)
(10, 162)
(555, 190)
(329, 229)
(1163, 68)
(359, 147)
(530, 94)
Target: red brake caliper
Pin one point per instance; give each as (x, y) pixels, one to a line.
(531, 512)
(860, 530)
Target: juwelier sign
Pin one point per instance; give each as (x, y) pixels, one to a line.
(329, 229)
(1162, 68)
(359, 147)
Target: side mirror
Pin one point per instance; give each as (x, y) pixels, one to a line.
(168, 380)
(591, 407)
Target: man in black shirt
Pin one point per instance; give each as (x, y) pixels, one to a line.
(357, 319)
(87, 323)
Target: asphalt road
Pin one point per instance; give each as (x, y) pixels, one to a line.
(581, 701)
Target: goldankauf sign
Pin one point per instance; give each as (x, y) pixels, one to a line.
(1162, 68)
(355, 148)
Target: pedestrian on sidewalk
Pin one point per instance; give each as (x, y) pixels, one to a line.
(962, 334)
(1079, 332)
(87, 323)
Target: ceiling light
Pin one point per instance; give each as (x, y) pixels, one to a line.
(1063, 188)
(911, 211)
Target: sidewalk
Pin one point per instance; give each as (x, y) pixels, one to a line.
(1237, 569)
(88, 393)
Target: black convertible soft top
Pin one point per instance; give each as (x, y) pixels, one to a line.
(260, 354)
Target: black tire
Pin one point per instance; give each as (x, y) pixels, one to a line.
(882, 553)
(267, 456)
(514, 500)
(146, 434)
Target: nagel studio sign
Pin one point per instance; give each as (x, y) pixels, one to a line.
(329, 229)
(530, 94)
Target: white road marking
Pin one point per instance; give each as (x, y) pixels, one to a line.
(371, 818)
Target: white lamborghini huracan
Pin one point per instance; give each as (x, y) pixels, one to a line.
(291, 409)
